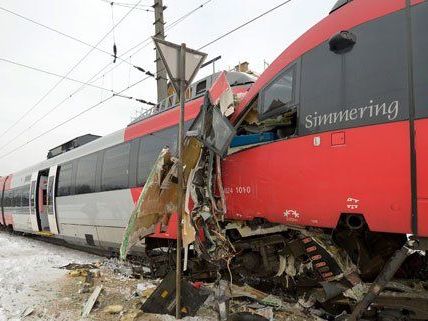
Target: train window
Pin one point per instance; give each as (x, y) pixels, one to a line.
(12, 198)
(278, 96)
(17, 197)
(85, 177)
(201, 87)
(25, 196)
(6, 202)
(65, 179)
(150, 147)
(115, 169)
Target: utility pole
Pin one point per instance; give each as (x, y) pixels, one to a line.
(160, 34)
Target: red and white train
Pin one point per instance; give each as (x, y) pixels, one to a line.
(332, 136)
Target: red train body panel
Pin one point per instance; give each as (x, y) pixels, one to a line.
(306, 185)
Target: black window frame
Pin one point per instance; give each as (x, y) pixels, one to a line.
(59, 192)
(92, 186)
(295, 67)
(104, 188)
(25, 196)
(169, 135)
(198, 88)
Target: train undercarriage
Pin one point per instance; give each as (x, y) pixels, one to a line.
(328, 270)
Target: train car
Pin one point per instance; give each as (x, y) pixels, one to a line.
(328, 168)
(85, 191)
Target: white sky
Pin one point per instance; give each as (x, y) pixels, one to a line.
(90, 20)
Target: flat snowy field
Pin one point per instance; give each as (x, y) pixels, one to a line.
(29, 272)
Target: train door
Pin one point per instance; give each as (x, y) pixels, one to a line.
(50, 200)
(34, 217)
(2, 188)
(42, 201)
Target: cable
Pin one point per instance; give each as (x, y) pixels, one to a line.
(52, 74)
(172, 25)
(143, 101)
(66, 75)
(67, 36)
(239, 27)
(56, 31)
(71, 118)
(129, 6)
(148, 40)
(245, 24)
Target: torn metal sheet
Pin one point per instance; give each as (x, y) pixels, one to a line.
(208, 140)
(148, 209)
(158, 199)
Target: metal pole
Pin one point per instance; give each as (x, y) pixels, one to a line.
(180, 194)
(162, 87)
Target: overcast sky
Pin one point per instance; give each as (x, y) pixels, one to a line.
(89, 21)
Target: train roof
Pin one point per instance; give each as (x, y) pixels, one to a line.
(195, 90)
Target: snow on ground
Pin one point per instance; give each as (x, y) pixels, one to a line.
(29, 272)
(30, 279)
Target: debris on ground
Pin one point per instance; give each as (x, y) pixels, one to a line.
(81, 266)
(91, 301)
(247, 316)
(162, 300)
(26, 312)
(113, 309)
(145, 290)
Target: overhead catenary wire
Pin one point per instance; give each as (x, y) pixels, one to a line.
(60, 33)
(127, 4)
(147, 41)
(72, 118)
(241, 25)
(245, 24)
(140, 100)
(92, 79)
(223, 35)
(27, 112)
(74, 80)
(52, 74)
(204, 46)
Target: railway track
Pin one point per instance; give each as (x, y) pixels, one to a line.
(400, 300)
